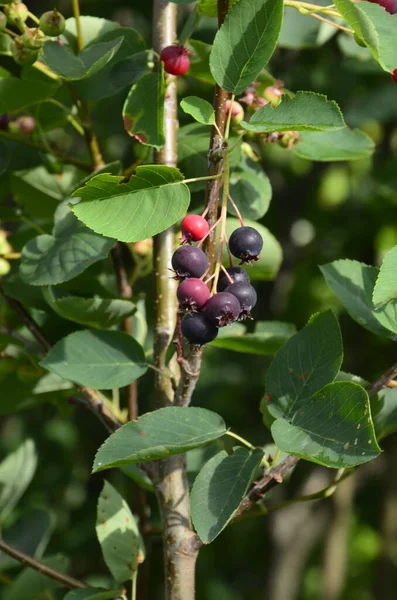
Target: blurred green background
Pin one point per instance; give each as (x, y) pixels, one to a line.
(341, 548)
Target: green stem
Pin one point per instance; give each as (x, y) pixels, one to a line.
(116, 399)
(222, 234)
(71, 118)
(240, 439)
(76, 14)
(133, 586)
(207, 178)
(34, 18)
(229, 118)
(190, 25)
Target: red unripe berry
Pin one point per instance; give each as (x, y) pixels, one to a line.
(176, 59)
(394, 76)
(192, 294)
(389, 5)
(26, 124)
(194, 228)
(237, 111)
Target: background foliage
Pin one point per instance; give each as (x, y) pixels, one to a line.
(320, 212)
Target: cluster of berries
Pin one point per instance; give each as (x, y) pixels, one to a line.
(25, 48)
(235, 295)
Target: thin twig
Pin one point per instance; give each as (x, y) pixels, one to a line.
(69, 582)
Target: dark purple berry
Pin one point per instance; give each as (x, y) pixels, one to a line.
(198, 329)
(192, 294)
(222, 309)
(189, 261)
(246, 295)
(246, 243)
(4, 120)
(237, 274)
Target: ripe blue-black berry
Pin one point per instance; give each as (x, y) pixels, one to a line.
(192, 294)
(194, 228)
(189, 261)
(222, 309)
(246, 295)
(176, 59)
(198, 329)
(236, 273)
(246, 243)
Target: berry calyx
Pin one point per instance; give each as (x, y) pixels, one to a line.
(194, 228)
(237, 111)
(198, 330)
(176, 59)
(189, 261)
(246, 295)
(16, 12)
(222, 309)
(237, 274)
(394, 76)
(21, 54)
(33, 38)
(52, 23)
(192, 294)
(246, 243)
(3, 21)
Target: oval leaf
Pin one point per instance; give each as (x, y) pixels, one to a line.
(70, 250)
(219, 488)
(345, 144)
(97, 359)
(118, 534)
(158, 434)
(153, 200)
(17, 93)
(306, 111)
(267, 339)
(201, 110)
(245, 43)
(332, 428)
(16, 472)
(385, 288)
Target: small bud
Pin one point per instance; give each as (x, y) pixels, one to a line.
(21, 54)
(16, 11)
(52, 23)
(273, 93)
(289, 139)
(26, 124)
(3, 21)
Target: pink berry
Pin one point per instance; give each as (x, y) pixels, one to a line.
(237, 111)
(192, 294)
(394, 76)
(194, 228)
(176, 59)
(26, 124)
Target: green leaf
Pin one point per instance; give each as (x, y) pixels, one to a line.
(307, 362)
(159, 434)
(384, 412)
(385, 288)
(345, 144)
(70, 250)
(97, 359)
(139, 476)
(118, 534)
(209, 8)
(92, 594)
(267, 339)
(268, 265)
(332, 428)
(89, 61)
(145, 120)
(251, 191)
(376, 27)
(353, 282)
(16, 94)
(93, 28)
(300, 32)
(245, 42)
(30, 534)
(201, 110)
(16, 473)
(94, 312)
(40, 192)
(4, 157)
(200, 61)
(219, 488)
(306, 111)
(153, 200)
(32, 585)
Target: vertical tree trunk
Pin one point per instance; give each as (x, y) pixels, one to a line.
(169, 476)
